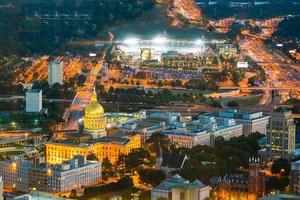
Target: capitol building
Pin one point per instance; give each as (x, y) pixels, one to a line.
(92, 140)
(94, 119)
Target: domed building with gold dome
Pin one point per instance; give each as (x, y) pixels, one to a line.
(94, 120)
(92, 140)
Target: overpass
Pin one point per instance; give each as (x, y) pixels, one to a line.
(261, 88)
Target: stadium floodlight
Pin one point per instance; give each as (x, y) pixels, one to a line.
(199, 42)
(131, 41)
(159, 40)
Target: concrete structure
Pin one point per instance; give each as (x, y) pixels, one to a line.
(37, 195)
(295, 177)
(15, 174)
(55, 72)
(281, 134)
(110, 147)
(202, 132)
(1, 188)
(72, 174)
(34, 101)
(94, 120)
(178, 188)
(252, 122)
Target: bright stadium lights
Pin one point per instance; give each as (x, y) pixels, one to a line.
(131, 41)
(198, 42)
(159, 40)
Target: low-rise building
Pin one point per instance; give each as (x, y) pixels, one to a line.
(110, 147)
(251, 121)
(177, 188)
(15, 174)
(202, 132)
(72, 174)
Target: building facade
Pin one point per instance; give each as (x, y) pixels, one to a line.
(252, 122)
(72, 174)
(110, 147)
(295, 177)
(202, 132)
(239, 186)
(34, 101)
(178, 188)
(281, 134)
(55, 72)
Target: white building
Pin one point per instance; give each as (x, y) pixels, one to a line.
(34, 101)
(15, 174)
(73, 174)
(55, 72)
(177, 188)
(252, 121)
(203, 132)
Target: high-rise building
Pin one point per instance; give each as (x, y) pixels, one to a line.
(55, 72)
(295, 177)
(34, 100)
(281, 134)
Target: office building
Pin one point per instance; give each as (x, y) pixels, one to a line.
(202, 132)
(281, 134)
(252, 121)
(15, 174)
(295, 177)
(55, 72)
(71, 174)
(34, 101)
(177, 188)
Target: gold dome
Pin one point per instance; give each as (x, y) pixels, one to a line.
(94, 108)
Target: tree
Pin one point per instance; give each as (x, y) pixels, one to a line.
(92, 156)
(150, 176)
(106, 164)
(281, 166)
(136, 158)
(73, 194)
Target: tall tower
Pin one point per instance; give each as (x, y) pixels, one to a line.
(256, 182)
(281, 134)
(55, 72)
